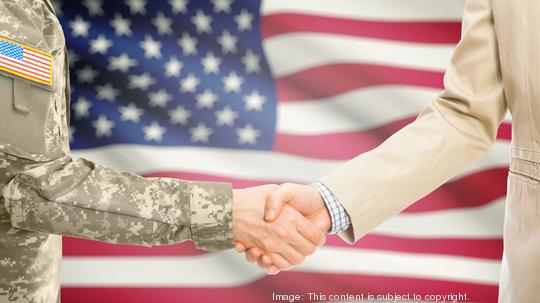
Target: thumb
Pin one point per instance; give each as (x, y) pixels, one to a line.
(275, 202)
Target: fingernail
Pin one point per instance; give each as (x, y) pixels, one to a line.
(273, 272)
(269, 214)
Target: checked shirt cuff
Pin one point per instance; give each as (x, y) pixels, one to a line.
(340, 219)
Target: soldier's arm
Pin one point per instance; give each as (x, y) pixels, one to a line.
(83, 199)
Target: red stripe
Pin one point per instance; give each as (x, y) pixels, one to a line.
(420, 32)
(37, 64)
(18, 68)
(285, 283)
(344, 146)
(37, 57)
(38, 54)
(28, 65)
(474, 248)
(330, 80)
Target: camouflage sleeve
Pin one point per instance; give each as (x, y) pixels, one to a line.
(83, 199)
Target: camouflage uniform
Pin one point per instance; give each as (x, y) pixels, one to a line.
(46, 193)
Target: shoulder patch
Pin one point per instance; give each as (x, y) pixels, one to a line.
(26, 62)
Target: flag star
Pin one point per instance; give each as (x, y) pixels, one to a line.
(137, 6)
(232, 83)
(81, 108)
(244, 20)
(72, 130)
(202, 22)
(222, 6)
(121, 25)
(211, 63)
(180, 115)
(73, 58)
(248, 135)
(94, 7)
(57, 8)
(188, 44)
(189, 84)
(131, 113)
(154, 132)
(159, 98)
(200, 133)
(173, 68)
(142, 81)
(251, 62)
(107, 92)
(206, 99)
(103, 126)
(151, 47)
(100, 45)
(163, 24)
(122, 63)
(254, 101)
(226, 116)
(227, 42)
(179, 6)
(87, 75)
(79, 27)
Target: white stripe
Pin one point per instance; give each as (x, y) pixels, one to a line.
(45, 61)
(295, 52)
(254, 165)
(383, 10)
(229, 269)
(19, 70)
(26, 64)
(356, 110)
(38, 54)
(484, 221)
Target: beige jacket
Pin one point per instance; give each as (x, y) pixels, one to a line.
(496, 66)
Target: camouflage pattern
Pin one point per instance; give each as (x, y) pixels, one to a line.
(46, 193)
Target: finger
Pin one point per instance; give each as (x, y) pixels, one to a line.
(310, 232)
(273, 270)
(240, 247)
(279, 262)
(253, 254)
(290, 254)
(276, 200)
(265, 262)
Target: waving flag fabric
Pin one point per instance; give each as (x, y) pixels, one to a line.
(253, 93)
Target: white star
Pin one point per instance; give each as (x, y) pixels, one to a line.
(151, 47)
(244, 20)
(94, 7)
(159, 98)
(82, 108)
(131, 113)
(173, 68)
(226, 116)
(103, 126)
(222, 6)
(163, 24)
(254, 101)
(72, 130)
(248, 135)
(251, 62)
(189, 84)
(232, 83)
(122, 63)
(100, 45)
(142, 81)
(79, 27)
(211, 63)
(179, 6)
(188, 44)
(87, 75)
(180, 115)
(153, 132)
(57, 8)
(107, 92)
(121, 25)
(202, 22)
(206, 99)
(227, 42)
(200, 133)
(73, 58)
(137, 6)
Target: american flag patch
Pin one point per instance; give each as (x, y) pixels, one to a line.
(25, 62)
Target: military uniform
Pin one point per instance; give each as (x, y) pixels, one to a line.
(46, 193)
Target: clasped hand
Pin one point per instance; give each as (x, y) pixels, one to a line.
(278, 226)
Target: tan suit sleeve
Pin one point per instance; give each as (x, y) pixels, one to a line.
(456, 129)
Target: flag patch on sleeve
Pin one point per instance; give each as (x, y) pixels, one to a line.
(25, 62)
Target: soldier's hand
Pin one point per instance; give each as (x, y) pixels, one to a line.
(286, 241)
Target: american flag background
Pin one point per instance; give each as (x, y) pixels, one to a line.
(255, 92)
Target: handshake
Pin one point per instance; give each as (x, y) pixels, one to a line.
(278, 226)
